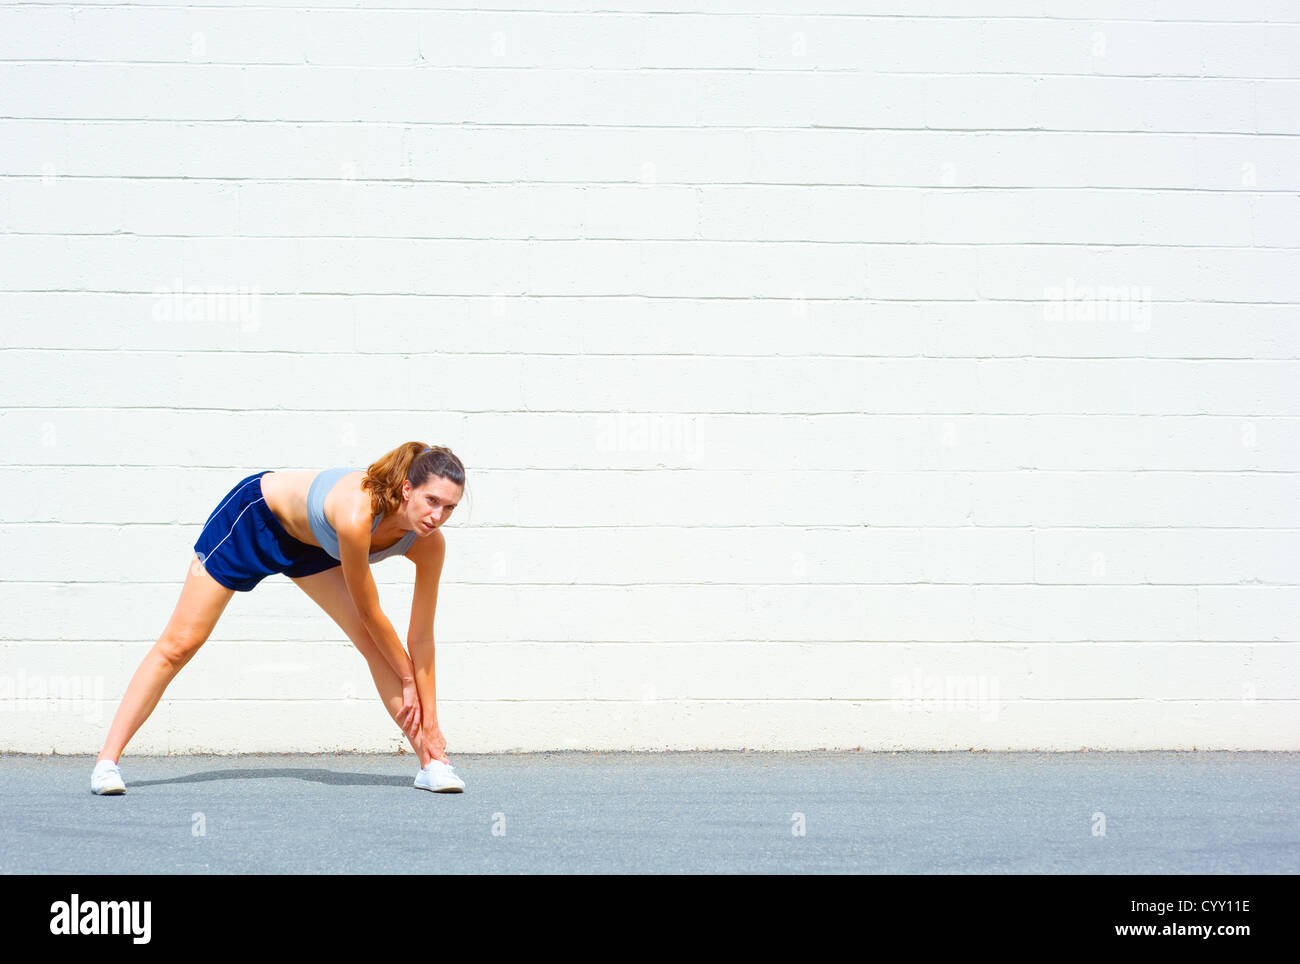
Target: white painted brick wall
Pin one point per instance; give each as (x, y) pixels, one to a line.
(889, 375)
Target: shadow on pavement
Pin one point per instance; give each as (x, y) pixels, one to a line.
(262, 773)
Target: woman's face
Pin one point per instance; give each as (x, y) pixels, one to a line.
(428, 507)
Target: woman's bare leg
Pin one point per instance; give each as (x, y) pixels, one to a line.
(330, 592)
(202, 601)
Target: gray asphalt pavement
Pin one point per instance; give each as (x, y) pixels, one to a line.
(708, 812)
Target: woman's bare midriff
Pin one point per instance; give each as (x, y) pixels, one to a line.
(286, 497)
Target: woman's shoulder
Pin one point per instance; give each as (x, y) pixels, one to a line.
(350, 503)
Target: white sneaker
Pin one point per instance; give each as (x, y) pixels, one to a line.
(439, 777)
(106, 778)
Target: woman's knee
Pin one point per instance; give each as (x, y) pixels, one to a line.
(176, 648)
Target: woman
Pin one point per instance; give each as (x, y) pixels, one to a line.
(322, 530)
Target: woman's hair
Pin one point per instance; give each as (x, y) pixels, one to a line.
(413, 461)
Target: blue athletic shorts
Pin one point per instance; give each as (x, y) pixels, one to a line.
(243, 542)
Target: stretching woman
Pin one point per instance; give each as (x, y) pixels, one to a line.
(322, 530)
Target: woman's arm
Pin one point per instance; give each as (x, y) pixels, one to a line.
(354, 553)
(428, 558)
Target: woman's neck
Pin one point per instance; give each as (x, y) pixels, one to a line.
(389, 528)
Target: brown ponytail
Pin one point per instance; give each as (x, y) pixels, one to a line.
(411, 461)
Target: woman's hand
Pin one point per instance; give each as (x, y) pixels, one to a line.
(436, 742)
(408, 717)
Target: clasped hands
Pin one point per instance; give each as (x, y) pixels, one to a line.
(413, 723)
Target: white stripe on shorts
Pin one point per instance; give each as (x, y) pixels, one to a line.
(222, 506)
(227, 501)
(232, 529)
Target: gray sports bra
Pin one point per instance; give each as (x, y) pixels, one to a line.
(324, 532)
